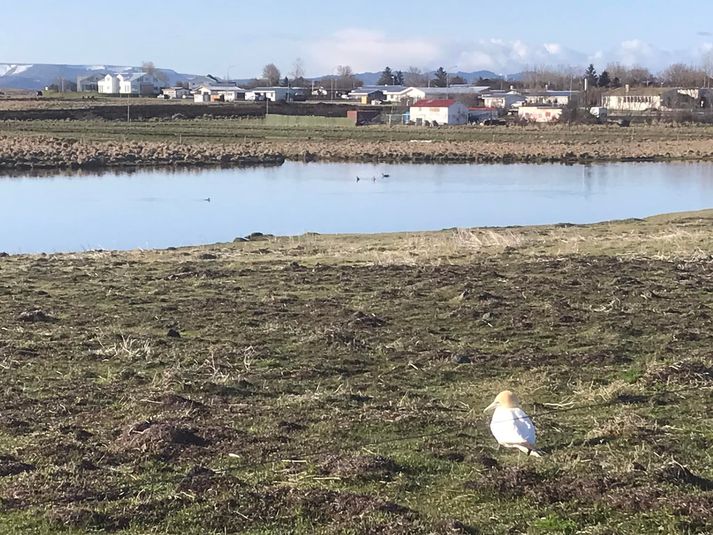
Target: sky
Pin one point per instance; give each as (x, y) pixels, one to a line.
(239, 37)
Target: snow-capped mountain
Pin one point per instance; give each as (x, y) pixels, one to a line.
(39, 75)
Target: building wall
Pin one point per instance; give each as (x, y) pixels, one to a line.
(456, 114)
(632, 102)
(547, 100)
(109, 85)
(539, 115)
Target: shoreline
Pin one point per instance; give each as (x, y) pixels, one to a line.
(515, 237)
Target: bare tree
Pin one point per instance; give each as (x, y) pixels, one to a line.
(298, 69)
(271, 74)
(707, 66)
(680, 74)
(633, 76)
(346, 78)
(414, 77)
(149, 68)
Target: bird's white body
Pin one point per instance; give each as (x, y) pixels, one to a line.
(513, 428)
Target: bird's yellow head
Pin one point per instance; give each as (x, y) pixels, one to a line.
(506, 399)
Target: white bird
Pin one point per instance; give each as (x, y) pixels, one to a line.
(511, 426)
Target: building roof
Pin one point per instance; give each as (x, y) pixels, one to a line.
(383, 88)
(133, 76)
(460, 90)
(275, 88)
(365, 91)
(222, 87)
(639, 91)
(434, 103)
(549, 93)
(539, 107)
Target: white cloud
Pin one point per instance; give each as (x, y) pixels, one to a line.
(367, 50)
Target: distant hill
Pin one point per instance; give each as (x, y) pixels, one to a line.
(40, 75)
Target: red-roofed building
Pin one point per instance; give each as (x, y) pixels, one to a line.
(439, 111)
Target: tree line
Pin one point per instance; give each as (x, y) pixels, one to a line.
(561, 77)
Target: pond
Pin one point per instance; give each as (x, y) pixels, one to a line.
(155, 209)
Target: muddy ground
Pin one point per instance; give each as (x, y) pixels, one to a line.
(327, 384)
(176, 141)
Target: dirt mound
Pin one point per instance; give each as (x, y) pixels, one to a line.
(78, 518)
(10, 466)
(547, 489)
(674, 472)
(158, 438)
(688, 372)
(362, 319)
(202, 481)
(371, 467)
(36, 316)
(174, 401)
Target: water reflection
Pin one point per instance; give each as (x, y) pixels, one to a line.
(151, 208)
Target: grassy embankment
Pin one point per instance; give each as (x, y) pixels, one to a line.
(334, 384)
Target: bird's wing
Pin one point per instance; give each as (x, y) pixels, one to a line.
(513, 426)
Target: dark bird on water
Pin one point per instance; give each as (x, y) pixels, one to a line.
(385, 175)
(358, 179)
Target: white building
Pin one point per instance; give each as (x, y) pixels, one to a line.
(642, 99)
(539, 114)
(274, 94)
(140, 83)
(176, 92)
(222, 92)
(109, 84)
(410, 95)
(503, 100)
(89, 82)
(550, 98)
(438, 111)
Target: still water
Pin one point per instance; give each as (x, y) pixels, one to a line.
(153, 209)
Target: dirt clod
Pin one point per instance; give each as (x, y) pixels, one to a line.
(373, 467)
(159, 438)
(36, 316)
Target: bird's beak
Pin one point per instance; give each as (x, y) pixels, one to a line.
(491, 407)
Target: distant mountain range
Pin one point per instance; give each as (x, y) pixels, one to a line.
(40, 75)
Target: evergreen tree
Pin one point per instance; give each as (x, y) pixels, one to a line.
(591, 75)
(441, 78)
(387, 77)
(604, 80)
(399, 78)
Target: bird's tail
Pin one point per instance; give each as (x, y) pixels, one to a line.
(535, 453)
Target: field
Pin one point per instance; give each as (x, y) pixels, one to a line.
(89, 134)
(335, 384)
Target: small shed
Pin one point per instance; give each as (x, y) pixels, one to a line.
(363, 117)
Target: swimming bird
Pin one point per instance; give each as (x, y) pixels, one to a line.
(511, 426)
(385, 175)
(358, 179)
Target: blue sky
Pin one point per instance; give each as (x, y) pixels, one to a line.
(214, 36)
